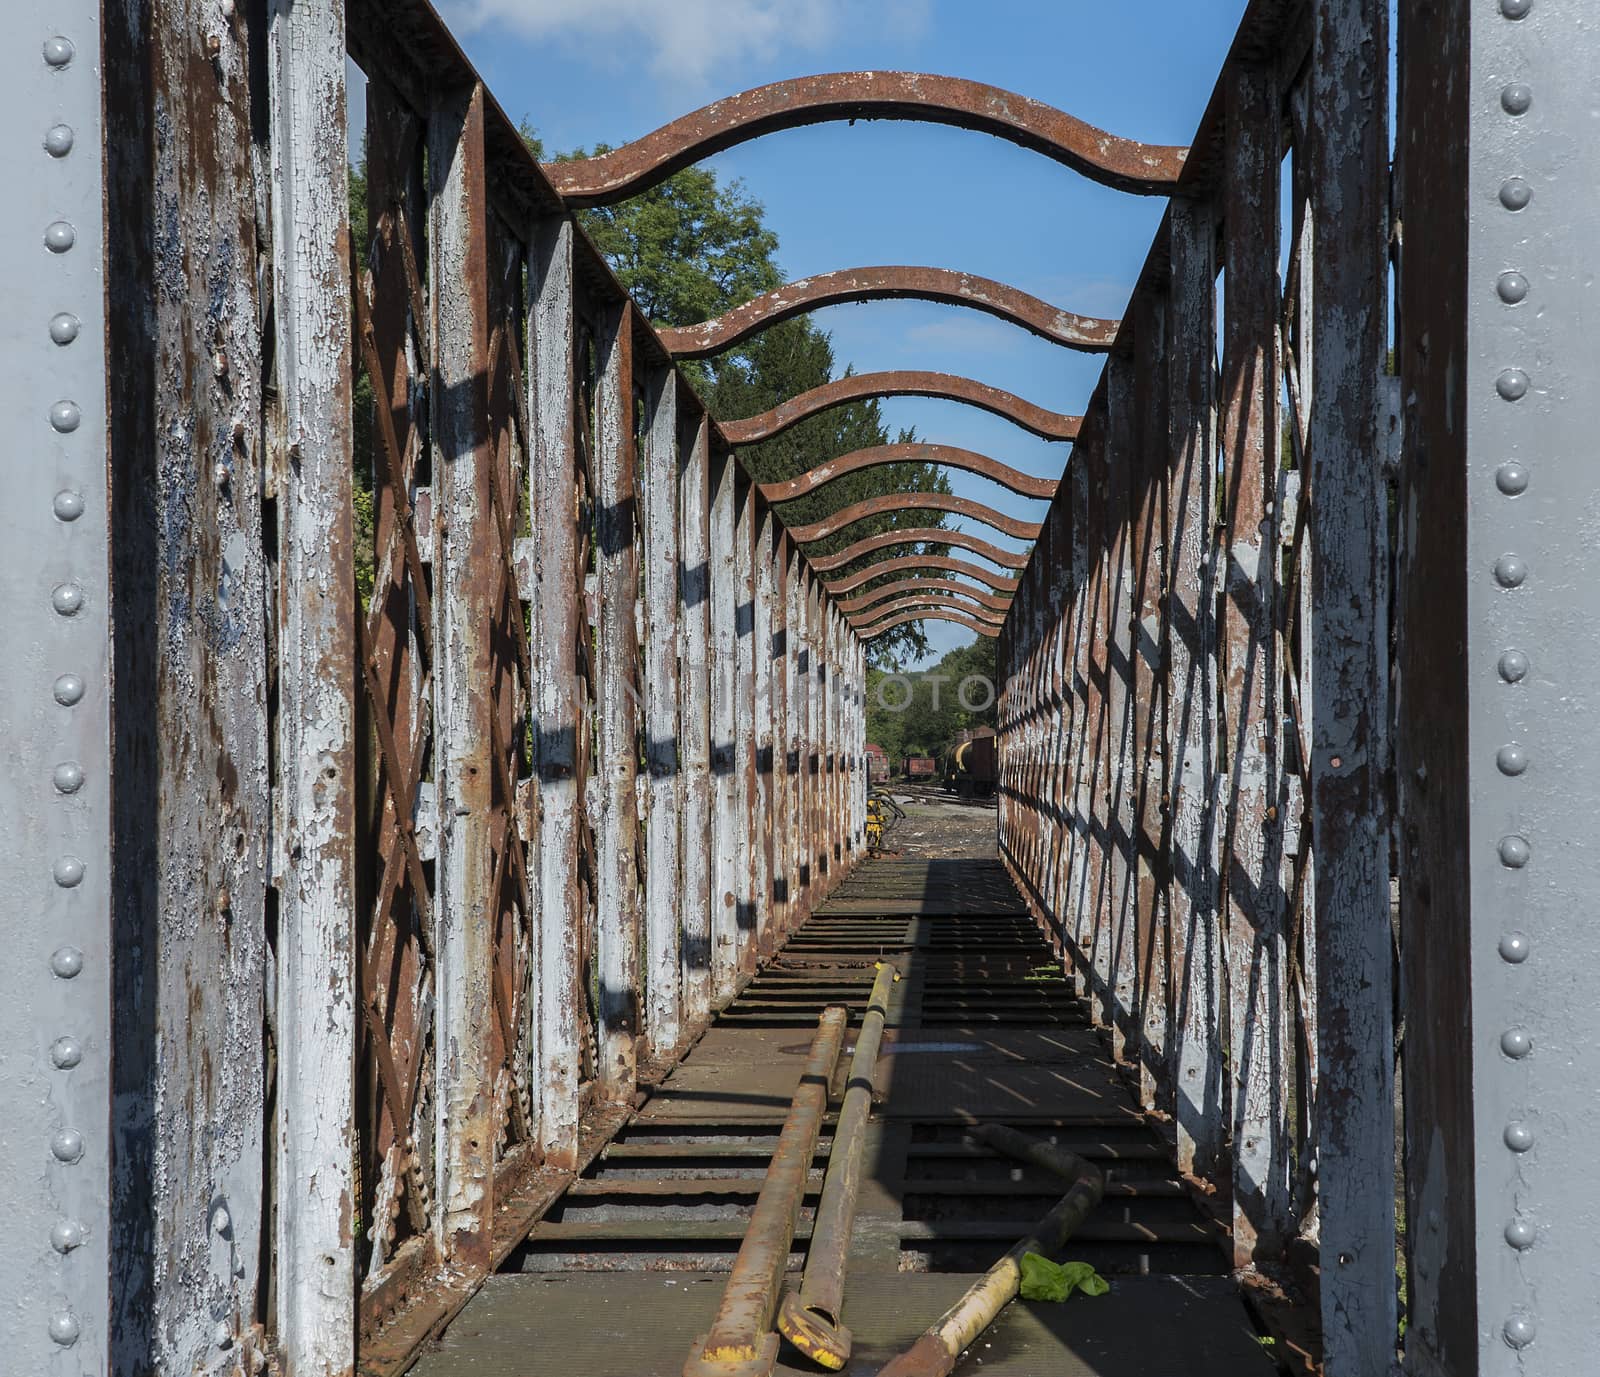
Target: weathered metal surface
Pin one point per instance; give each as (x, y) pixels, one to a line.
(916, 535)
(150, 1046)
(914, 501)
(314, 1013)
(896, 588)
(1148, 787)
(666, 920)
(1257, 971)
(763, 590)
(879, 456)
(860, 387)
(746, 843)
(812, 1317)
(559, 637)
(694, 585)
(890, 283)
(1349, 759)
(617, 745)
(1191, 668)
(463, 610)
(724, 666)
(934, 614)
(741, 1337)
(1121, 163)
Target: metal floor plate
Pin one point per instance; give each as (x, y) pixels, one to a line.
(641, 1324)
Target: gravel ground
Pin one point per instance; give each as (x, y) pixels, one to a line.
(942, 828)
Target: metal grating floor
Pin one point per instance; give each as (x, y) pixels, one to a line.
(623, 1269)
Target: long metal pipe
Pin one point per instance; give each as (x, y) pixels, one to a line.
(809, 1318)
(741, 1341)
(942, 1343)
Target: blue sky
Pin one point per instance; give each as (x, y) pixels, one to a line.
(838, 196)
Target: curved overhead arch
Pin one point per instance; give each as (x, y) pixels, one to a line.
(900, 588)
(1124, 164)
(920, 535)
(858, 387)
(890, 283)
(936, 614)
(948, 456)
(914, 501)
(921, 563)
(910, 601)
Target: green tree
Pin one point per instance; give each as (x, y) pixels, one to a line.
(921, 713)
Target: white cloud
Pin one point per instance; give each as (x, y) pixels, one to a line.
(684, 42)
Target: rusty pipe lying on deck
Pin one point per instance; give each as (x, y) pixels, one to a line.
(809, 1319)
(936, 1352)
(741, 1341)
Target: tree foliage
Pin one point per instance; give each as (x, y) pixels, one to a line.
(920, 713)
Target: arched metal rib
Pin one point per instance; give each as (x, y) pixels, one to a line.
(920, 535)
(1144, 169)
(891, 283)
(860, 387)
(898, 589)
(919, 564)
(906, 604)
(880, 455)
(933, 614)
(915, 501)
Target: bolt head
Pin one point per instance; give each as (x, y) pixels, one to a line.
(58, 51)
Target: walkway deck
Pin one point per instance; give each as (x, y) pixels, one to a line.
(622, 1273)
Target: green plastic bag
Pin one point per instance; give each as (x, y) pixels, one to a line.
(1043, 1280)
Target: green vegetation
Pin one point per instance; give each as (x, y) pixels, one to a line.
(920, 713)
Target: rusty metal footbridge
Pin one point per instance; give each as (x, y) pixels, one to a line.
(440, 927)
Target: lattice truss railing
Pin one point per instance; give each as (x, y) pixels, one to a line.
(1161, 724)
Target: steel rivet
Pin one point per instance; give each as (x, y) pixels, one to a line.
(1511, 478)
(65, 417)
(67, 1234)
(1515, 194)
(68, 689)
(67, 599)
(66, 1052)
(1518, 1136)
(58, 140)
(1516, 98)
(66, 962)
(1510, 571)
(1512, 385)
(221, 1220)
(1520, 1234)
(1516, 1042)
(68, 872)
(67, 1145)
(1515, 9)
(1511, 759)
(58, 51)
(68, 506)
(1512, 287)
(64, 327)
(219, 474)
(222, 1336)
(1519, 1330)
(64, 1328)
(59, 236)
(1514, 852)
(1515, 948)
(1513, 666)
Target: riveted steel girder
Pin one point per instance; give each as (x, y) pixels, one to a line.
(920, 535)
(916, 585)
(921, 564)
(933, 614)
